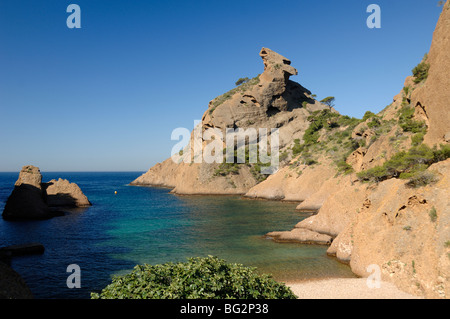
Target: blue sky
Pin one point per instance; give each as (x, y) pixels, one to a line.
(106, 97)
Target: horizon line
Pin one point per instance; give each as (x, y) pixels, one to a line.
(80, 171)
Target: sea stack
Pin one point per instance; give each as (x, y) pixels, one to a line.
(27, 199)
(32, 199)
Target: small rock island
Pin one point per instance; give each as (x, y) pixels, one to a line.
(32, 199)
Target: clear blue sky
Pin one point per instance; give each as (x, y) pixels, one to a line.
(106, 97)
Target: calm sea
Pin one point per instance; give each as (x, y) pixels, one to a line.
(150, 225)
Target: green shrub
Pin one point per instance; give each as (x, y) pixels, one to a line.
(346, 120)
(442, 154)
(374, 122)
(255, 170)
(283, 156)
(242, 80)
(433, 214)
(227, 169)
(199, 278)
(329, 101)
(422, 178)
(420, 72)
(319, 120)
(344, 167)
(375, 174)
(368, 115)
(297, 148)
(410, 164)
(406, 90)
(407, 122)
(244, 86)
(417, 139)
(309, 161)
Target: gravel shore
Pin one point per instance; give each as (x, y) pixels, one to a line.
(346, 288)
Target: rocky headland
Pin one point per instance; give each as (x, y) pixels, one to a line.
(377, 187)
(269, 100)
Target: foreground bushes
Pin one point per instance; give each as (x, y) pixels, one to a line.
(199, 278)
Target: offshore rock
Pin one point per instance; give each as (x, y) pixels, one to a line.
(32, 199)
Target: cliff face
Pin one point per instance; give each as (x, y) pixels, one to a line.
(401, 227)
(402, 230)
(431, 100)
(270, 100)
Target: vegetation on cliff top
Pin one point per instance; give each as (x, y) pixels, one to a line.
(199, 278)
(243, 84)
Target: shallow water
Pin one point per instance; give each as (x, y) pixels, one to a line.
(150, 225)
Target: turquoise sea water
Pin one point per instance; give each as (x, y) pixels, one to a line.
(150, 225)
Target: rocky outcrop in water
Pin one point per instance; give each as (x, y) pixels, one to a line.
(27, 198)
(62, 193)
(32, 199)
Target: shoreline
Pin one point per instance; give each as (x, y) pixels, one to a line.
(346, 288)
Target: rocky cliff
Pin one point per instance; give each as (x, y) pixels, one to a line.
(270, 100)
(390, 208)
(431, 99)
(378, 187)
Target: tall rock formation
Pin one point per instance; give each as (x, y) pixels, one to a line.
(27, 199)
(270, 100)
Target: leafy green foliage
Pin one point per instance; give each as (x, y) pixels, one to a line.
(199, 278)
(244, 86)
(408, 164)
(347, 121)
(344, 167)
(374, 122)
(433, 214)
(420, 72)
(242, 80)
(417, 139)
(328, 101)
(421, 179)
(407, 122)
(368, 115)
(319, 120)
(226, 169)
(337, 144)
